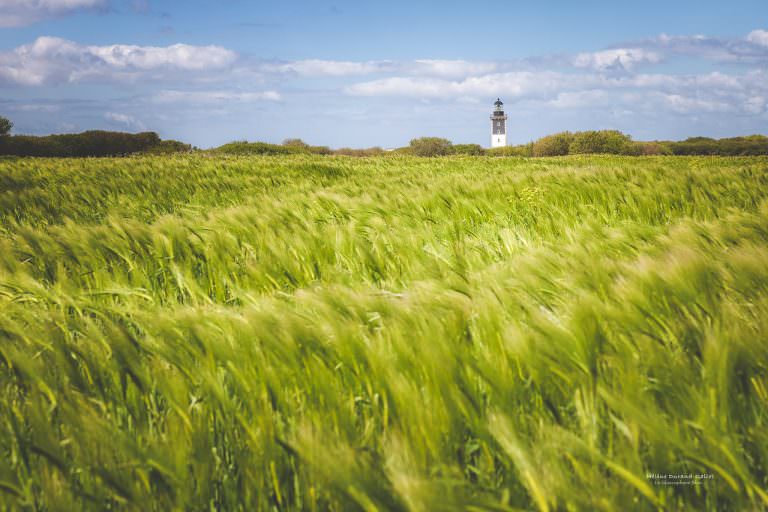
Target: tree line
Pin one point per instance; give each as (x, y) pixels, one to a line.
(95, 143)
(92, 143)
(611, 142)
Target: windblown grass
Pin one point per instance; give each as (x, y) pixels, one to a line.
(307, 333)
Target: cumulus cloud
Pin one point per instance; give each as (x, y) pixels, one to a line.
(758, 37)
(453, 68)
(341, 68)
(171, 96)
(50, 60)
(317, 67)
(579, 99)
(608, 79)
(680, 94)
(755, 104)
(515, 84)
(34, 107)
(618, 59)
(690, 104)
(750, 49)
(16, 13)
(125, 120)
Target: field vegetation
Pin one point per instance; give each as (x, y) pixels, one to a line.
(93, 143)
(613, 142)
(305, 332)
(99, 143)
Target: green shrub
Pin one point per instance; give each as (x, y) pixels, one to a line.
(28, 145)
(430, 146)
(86, 144)
(734, 146)
(652, 148)
(295, 143)
(467, 149)
(243, 147)
(553, 145)
(5, 126)
(603, 141)
(166, 147)
(521, 150)
(289, 147)
(302, 147)
(374, 151)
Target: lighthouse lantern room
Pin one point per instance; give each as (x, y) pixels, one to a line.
(498, 125)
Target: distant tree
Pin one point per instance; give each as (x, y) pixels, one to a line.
(430, 146)
(611, 142)
(5, 126)
(165, 147)
(521, 150)
(359, 152)
(296, 143)
(90, 143)
(653, 148)
(734, 146)
(467, 149)
(553, 145)
(243, 147)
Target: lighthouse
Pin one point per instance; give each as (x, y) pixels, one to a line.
(498, 125)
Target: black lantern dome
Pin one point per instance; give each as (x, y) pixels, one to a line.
(499, 106)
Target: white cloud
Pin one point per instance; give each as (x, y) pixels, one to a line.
(755, 104)
(54, 60)
(170, 96)
(178, 56)
(687, 104)
(752, 48)
(668, 82)
(16, 13)
(624, 59)
(515, 84)
(125, 120)
(340, 68)
(453, 68)
(759, 37)
(713, 92)
(403, 86)
(34, 107)
(317, 67)
(579, 99)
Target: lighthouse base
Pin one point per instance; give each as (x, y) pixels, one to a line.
(498, 140)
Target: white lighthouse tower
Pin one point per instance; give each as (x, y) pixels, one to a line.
(498, 125)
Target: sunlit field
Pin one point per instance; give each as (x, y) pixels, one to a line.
(395, 333)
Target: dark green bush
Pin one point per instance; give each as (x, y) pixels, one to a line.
(90, 143)
(467, 149)
(652, 148)
(243, 147)
(5, 126)
(553, 145)
(521, 150)
(430, 146)
(166, 147)
(734, 146)
(376, 150)
(611, 142)
(289, 147)
(303, 147)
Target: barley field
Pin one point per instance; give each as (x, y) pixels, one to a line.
(200, 333)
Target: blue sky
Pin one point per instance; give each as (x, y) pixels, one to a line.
(380, 73)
